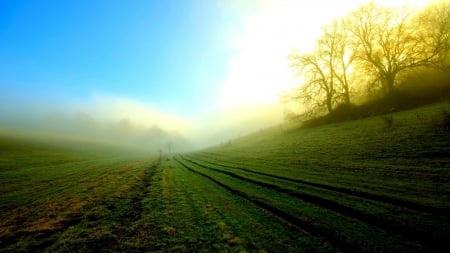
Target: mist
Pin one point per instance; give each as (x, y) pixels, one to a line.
(204, 75)
(125, 121)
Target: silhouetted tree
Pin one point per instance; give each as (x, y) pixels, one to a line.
(388, 41)
(373, 45)
(317, 90)
(434, 31)
(336, 43)
(325, 70)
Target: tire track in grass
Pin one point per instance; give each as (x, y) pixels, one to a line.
(292, 221)
(204, 235)
(429, 239)
(241, 225)
(208, 218)
(367, 195)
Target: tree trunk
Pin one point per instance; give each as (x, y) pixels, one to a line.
(346, 95)
(389, 83)
(329, 103)
(345, 85)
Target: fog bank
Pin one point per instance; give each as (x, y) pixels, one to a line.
(131, 122)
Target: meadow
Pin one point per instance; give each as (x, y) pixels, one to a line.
(380, 184)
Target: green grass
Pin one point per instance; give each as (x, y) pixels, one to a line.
(364, 154)
(195, 215)
(369, 209)
(392, 178)
(357, 186)
(348, 234)
(46, 186)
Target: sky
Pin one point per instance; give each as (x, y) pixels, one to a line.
(190, 66)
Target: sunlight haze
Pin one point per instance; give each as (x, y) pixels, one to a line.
(284, 126)
(193, 67)
(259, 71)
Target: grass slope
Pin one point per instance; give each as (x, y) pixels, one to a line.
(390, 180)
(357, 186)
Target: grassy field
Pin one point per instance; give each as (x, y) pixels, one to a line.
(357, 186)
(50, 185)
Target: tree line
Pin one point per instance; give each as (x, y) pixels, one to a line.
(370, 47)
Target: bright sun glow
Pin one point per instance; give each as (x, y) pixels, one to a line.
(260, 72)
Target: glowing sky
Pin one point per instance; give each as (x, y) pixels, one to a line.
(172, 63)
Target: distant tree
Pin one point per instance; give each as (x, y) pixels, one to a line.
(169, 147)
(160, 155)
(390, 41)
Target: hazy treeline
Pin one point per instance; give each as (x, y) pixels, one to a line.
(84, 126)
(370, 53)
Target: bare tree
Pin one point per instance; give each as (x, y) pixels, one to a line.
(325, 71)
(372, 45)
(317, 91)
(335, 42)
(387, 42)
(434, 31)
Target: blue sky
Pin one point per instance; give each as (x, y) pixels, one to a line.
(171, 54)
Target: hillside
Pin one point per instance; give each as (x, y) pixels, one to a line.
(379, 184)
(387, 173)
